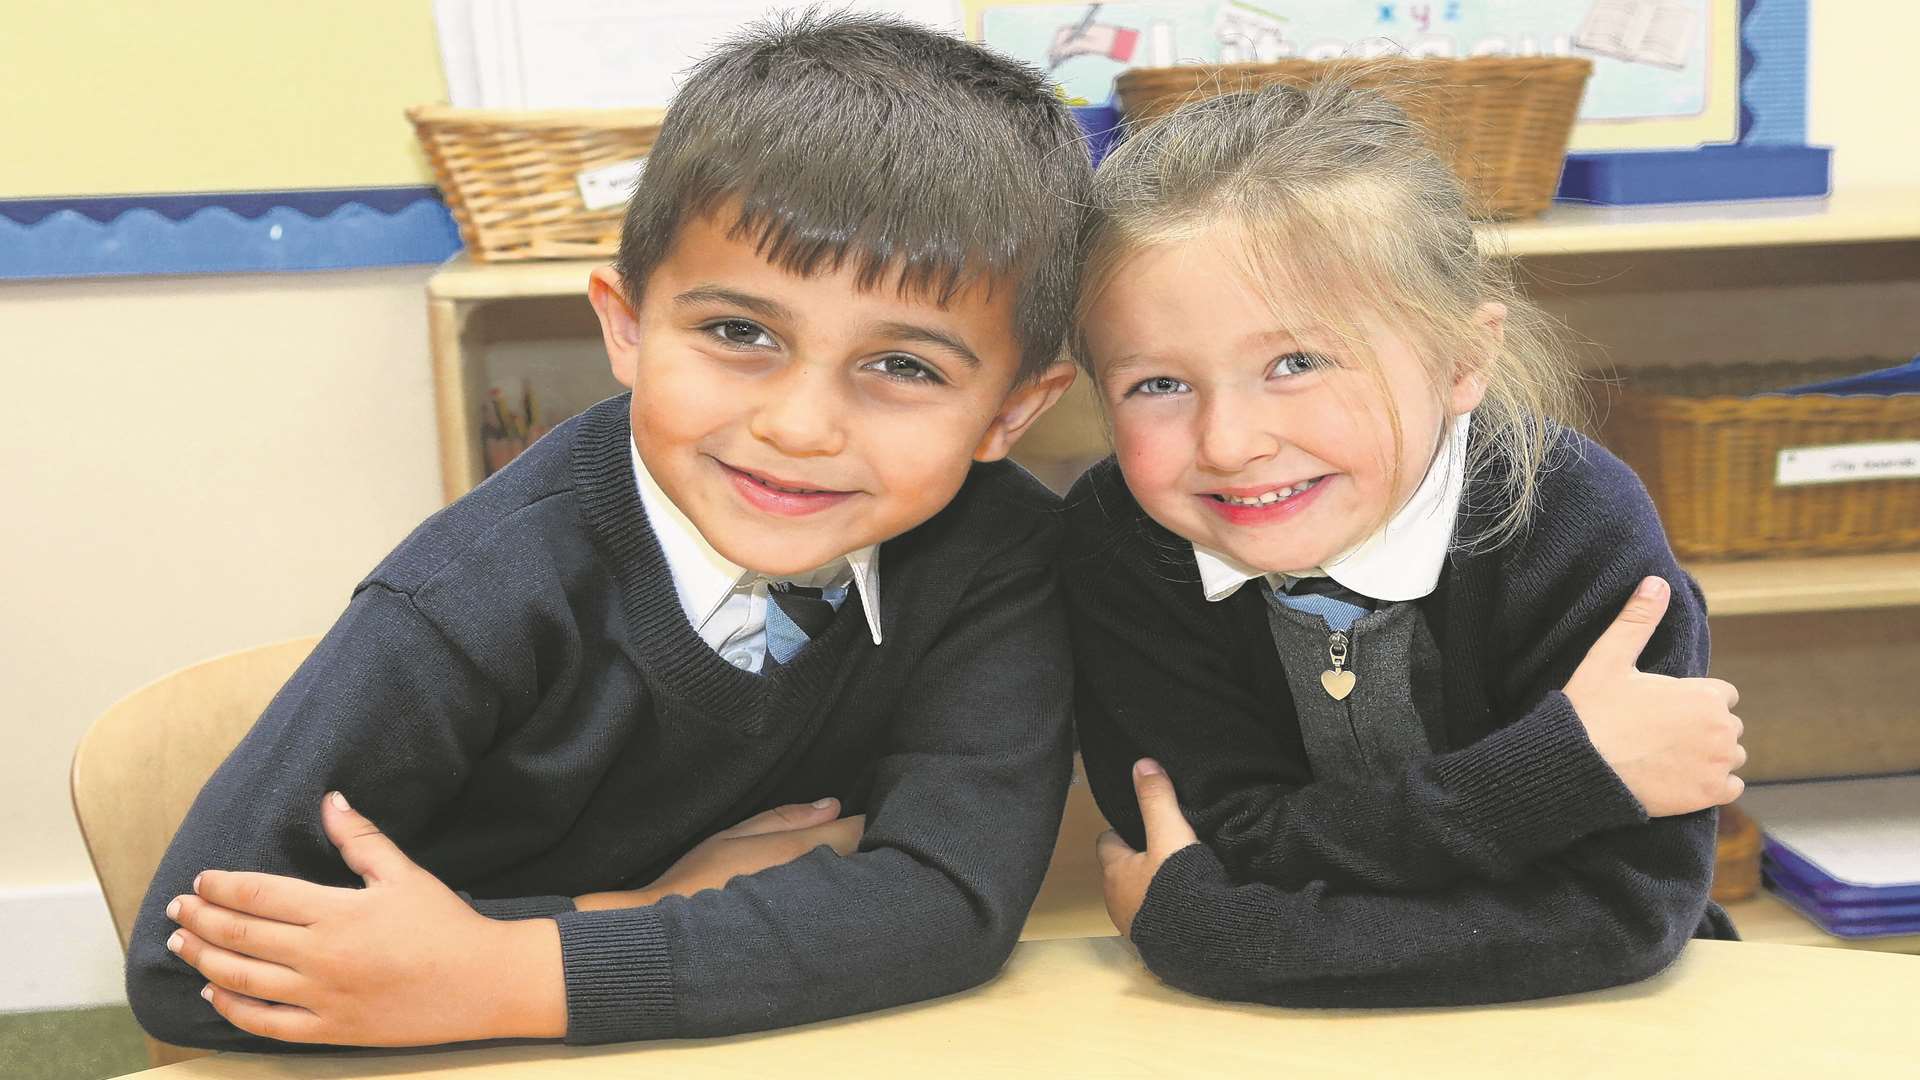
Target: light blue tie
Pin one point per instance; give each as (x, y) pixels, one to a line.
(1338, 606)
(785, 635)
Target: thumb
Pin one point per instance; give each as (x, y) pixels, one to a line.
(365, 849)
(1110, 849)
(787, 818)
(1621, 643)
(1167, 828)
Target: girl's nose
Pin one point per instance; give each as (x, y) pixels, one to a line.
(801, 414)
(1231, 437)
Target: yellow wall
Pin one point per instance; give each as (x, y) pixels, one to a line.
(193, 466)
(111, 97)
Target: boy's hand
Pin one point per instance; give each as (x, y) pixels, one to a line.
(772, 838)
(1127, 872)
(1674, 742)
(402, 962)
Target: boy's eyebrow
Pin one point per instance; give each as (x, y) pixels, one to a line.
(715, 294)
(927, 335)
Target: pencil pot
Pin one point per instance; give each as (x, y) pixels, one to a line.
(1501, 122)
(1737, 472)
(536, 185)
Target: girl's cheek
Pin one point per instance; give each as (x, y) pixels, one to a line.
(1150, 455)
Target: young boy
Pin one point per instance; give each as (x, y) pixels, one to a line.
(840, 297)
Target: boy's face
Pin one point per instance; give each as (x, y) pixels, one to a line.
(1233, 433)
(796, 419)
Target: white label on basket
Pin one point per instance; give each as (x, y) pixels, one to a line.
(1853, 461)
(609, 185)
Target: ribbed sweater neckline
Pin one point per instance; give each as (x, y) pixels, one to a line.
(665, 643)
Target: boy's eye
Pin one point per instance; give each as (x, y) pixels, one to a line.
(1297, 363)
(739, 332)
(906, 369)
(1158, 385)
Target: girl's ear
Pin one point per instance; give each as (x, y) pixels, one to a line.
(619, 325)
(1470, 377)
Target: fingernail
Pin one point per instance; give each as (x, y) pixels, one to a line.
(196, 880)
(1651, 587)
(1148, 767)
(206, 992)
(822, 804)
(339, 801)
(173, 909)
(173, 942)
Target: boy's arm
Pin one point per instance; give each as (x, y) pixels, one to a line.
(965, 807)
(383, 692)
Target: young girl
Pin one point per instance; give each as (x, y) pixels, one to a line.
(1348, 585)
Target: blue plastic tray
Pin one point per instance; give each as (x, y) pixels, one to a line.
(1708, 174)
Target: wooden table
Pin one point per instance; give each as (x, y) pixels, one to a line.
(1084, 1007)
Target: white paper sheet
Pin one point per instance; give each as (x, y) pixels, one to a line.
(1862, 832)
(565, 54)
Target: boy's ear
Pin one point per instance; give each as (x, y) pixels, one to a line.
(619, 325)
(1023, 406)
(1470, 378)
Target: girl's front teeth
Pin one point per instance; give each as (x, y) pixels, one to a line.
(1270, 497)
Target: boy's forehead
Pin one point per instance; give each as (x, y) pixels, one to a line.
(722, 245)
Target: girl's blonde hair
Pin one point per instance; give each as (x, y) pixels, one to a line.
(1339, 204)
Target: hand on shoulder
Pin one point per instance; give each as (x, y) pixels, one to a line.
(1675, 743)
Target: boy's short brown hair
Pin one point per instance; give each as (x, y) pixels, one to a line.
(864, 139)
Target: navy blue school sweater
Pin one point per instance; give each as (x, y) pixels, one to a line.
(1509, 863)
(516, 696)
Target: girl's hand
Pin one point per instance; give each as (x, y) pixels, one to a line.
(773, 838)
(402, 962)
(1674, 742)
(1126, 872)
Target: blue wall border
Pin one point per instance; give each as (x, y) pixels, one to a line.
(224, 232)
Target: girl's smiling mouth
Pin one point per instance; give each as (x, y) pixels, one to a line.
(1263, 503)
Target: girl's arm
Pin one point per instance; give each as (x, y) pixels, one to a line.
(1608, 908)
(1163, 674)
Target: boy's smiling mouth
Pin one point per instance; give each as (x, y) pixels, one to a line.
(778, 495)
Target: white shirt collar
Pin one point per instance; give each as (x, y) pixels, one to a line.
(703, 577)
(1402, 561)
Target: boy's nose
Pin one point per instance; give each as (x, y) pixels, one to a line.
(801, 415)
(1231, 438)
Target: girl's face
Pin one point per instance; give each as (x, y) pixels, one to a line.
(1273, 449)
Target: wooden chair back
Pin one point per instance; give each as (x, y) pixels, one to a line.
(140, 765)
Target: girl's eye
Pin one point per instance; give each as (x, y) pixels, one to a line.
(1158, 386)
(1297, 364)
(739, 332)
(906, 369)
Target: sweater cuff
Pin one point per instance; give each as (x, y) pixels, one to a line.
(1175, 923)
(1537, 785)
(619, 973)
(520, 907)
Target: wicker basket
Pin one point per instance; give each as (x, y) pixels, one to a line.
(1736, 856)
(1709, 459)
(510, 176)
(1501, 122)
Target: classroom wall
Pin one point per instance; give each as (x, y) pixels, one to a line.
(196, 465)
(213, 95)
